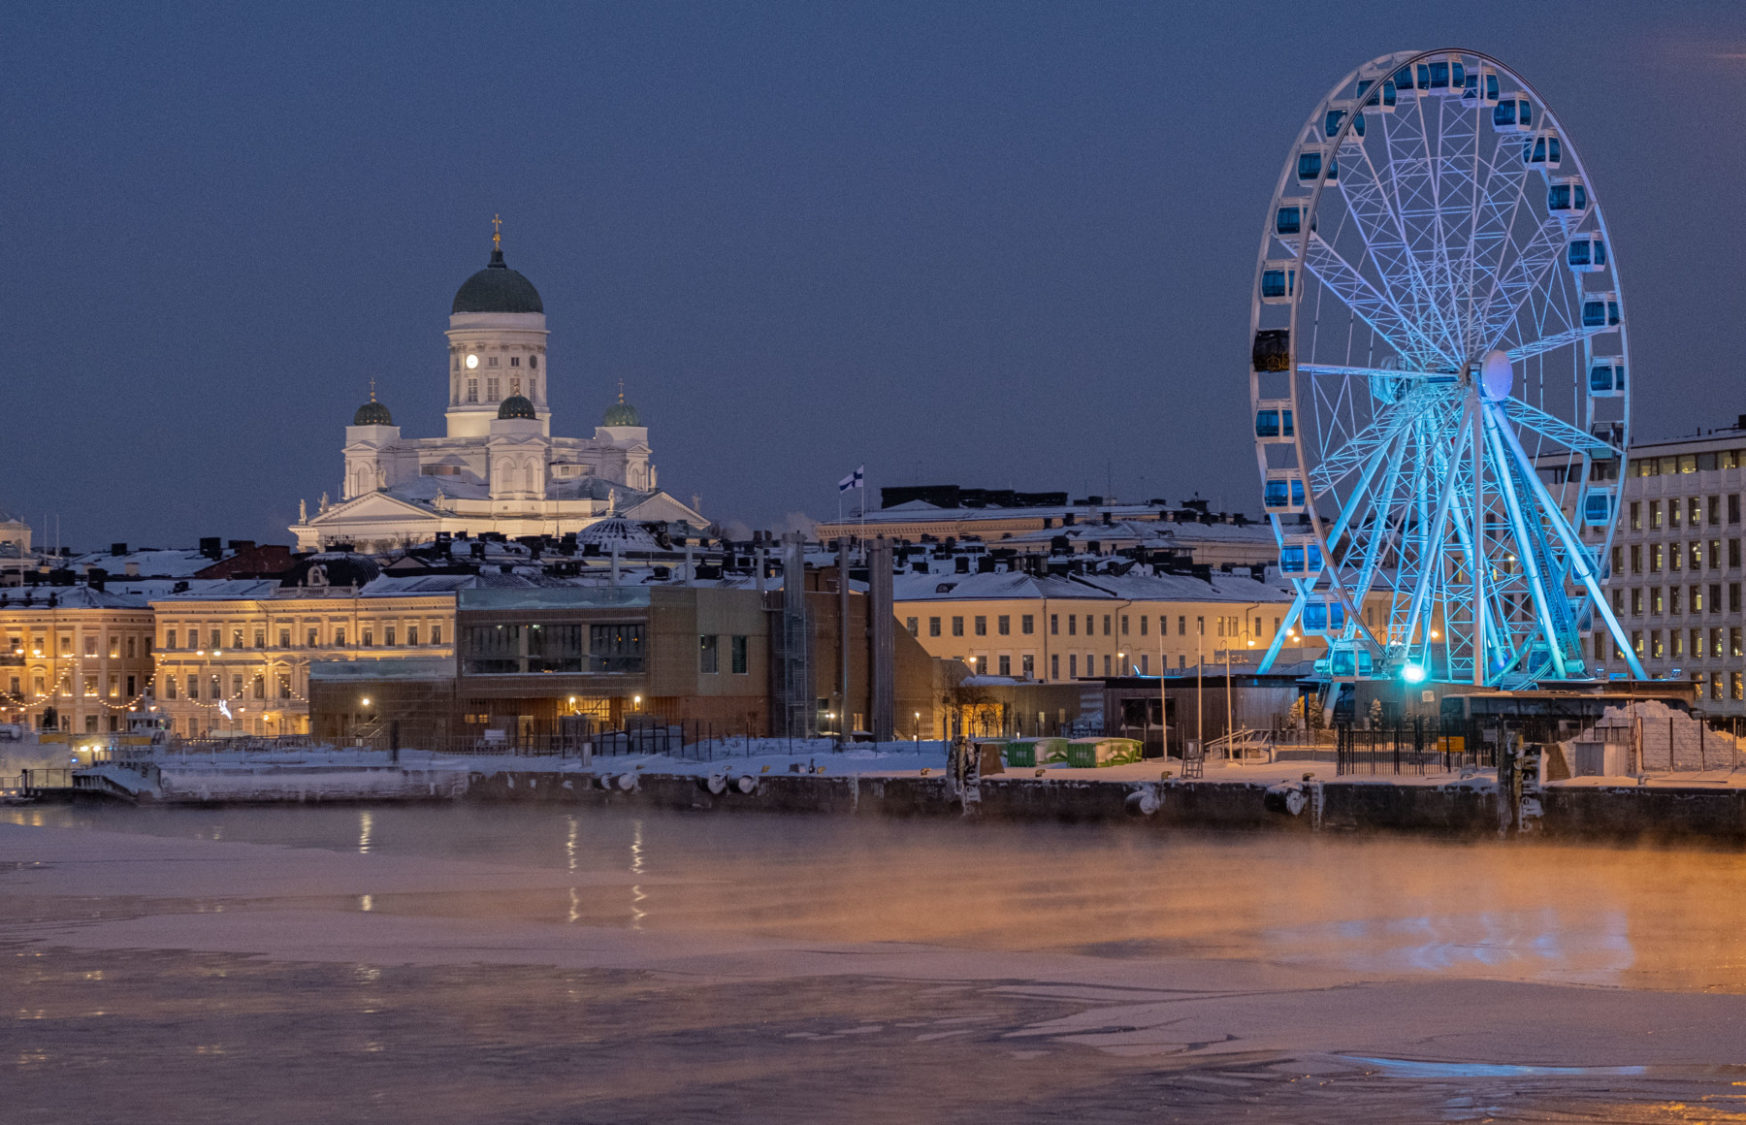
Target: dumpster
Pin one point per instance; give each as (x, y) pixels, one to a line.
(1086, 753)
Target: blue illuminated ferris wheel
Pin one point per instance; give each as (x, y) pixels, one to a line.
(1438, 380)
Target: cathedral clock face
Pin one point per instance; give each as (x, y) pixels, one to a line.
(472, 362)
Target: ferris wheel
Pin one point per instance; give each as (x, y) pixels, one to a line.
(1438, 380)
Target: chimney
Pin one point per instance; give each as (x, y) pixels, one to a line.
(118, 549)
(132, 568)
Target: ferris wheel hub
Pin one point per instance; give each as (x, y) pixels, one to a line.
(1497, 376)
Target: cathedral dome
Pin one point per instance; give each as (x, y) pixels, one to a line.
(497, 289)
(372, 413)
(516, 406)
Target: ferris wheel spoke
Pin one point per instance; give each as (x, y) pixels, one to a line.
(1520, 282)
(1386, 428)
(1552, 342)
(1552, 613)
(1366, 302)
(1557, 429)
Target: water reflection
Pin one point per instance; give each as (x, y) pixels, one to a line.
(1646, 918)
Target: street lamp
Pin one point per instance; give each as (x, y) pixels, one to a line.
(915, 728)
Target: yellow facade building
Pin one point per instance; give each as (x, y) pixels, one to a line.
(234, 659)
(74, 659)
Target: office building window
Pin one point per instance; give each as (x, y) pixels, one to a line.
(1003, 625)
(1072, 625)
(957, 626)
(169, 638)
(741, 664)
(1005, 664)
(933, 626)
(1054, 624)
(913, 626)
(412, 634)
(981, 626)
(388, 635)
(1072, 664)
(707, 659)
(1055, 666)
(1143, 620)
(1028, 665)
(1027, 625)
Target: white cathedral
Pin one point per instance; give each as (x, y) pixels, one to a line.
(498, 469)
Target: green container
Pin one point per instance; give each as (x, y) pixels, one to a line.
(1089, 753)
(1021, 753)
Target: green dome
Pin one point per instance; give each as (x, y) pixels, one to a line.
(497, 289)
(517, 406)
(372, 413)
(622, 413)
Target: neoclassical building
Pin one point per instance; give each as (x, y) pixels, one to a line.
(498, 468)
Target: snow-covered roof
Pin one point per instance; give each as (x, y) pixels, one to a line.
(68, 597)
(616, 531)
(152, 562)
(1220, 587)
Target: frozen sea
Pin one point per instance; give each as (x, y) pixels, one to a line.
(492, 963)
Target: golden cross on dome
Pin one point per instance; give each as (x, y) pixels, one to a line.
(372, 390)
(621, 390)
(497, 232)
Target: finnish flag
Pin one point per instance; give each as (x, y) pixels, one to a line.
(856, 479)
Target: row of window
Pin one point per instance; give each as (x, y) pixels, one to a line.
(471, 361)
(1690, 555)
(1688, 463)
(90, 686)
(1001, 664)
(189, 686)
(1676, 601)
(1674, 644)
(215, 637)
(1692, 510)
(1224, 626)
(118, 646)
(493, 387)
(521, 649)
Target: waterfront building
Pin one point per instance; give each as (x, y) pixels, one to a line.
(498, 468)
(567, 660)
(1674, 572)
(233, 657)
(74, 658)
(1052, 628)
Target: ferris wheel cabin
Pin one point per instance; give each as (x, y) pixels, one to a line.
(1586, 253)
(1309, 167)
(1283, 495)
(1606, 376)
(1278, 282)
(1335, 118)
(1481, 87)
(1380, 97)
(1513, 114)
(1273, 421)
(1300, 556)
(1600, 310)
(1543, 150)
(1567, 198)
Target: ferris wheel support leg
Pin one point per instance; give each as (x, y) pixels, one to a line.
(1525, 546)
(1438, 530)
(1285, 626)
(1475, 561)
(1579, 557)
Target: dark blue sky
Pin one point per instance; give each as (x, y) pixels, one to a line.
(1003, 244)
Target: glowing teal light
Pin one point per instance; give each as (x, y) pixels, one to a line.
(1413, 674)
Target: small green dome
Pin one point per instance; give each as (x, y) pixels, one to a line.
(372, 413)
(622, 413)
(517, 406)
